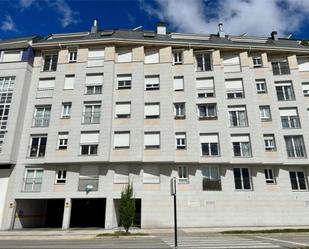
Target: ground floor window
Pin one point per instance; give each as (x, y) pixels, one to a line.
(298, 180)
(242, 179)
(33, 180)
(269, 176)
(211, 178)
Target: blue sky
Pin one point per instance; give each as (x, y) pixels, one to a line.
(255, 17)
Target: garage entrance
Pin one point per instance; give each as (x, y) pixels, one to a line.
(138, 212)
(39, 213)
(88, 213)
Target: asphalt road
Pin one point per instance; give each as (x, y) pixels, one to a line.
(186, 241)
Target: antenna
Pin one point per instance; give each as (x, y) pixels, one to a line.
(290, 35)
(244, 34)
(139, 27)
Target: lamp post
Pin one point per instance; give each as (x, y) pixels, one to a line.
(173, 193)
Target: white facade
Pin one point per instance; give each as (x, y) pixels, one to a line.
(115, 123)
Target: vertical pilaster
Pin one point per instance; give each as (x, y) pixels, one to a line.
(67, 213)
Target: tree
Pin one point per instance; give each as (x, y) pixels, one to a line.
(127, 207)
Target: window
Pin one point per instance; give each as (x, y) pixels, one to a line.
(92, 113)
(50, 62)
(211, 178)
(11, 56)
(6, 94)
(234, 88)
(2, 135)
(257, 61)
(289, 118)
(238, 116)
(260, 86)
(303, 64)
(33, 180)
(210, 144)
(45, 88)
(183, 174)
(94, 83)
(121, 174)
(242, 179)
(151, 174)
(178, 83)
(231, 63)
(121, 139)
(63, 138)
(88, 176)
(125, 55)
(69, 82)
(66, 110)
(284, 91)
(152, 82)
(124, 81)
(151, 56)
(72, 55)
(305, 86)
(123, 110)
(180, 140)
(152, 110)
(37, 145)
(205, 87)
(280, 66)
(203, 61)
(95, 57)
(241, 145)
(265, 114)
(89, 141)
(179, 110)
(269, 176)
(207, 111)
(61, 176)
(177, 57)
(298, 180)
(295, 146)
(152, 140)
(269, 142)
(41, 116)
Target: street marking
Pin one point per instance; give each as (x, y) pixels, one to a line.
(282, 241)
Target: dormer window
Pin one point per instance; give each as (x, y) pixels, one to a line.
(72, 55)
(177, 57)
(50, 62)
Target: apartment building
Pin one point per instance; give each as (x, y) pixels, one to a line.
(228, 116)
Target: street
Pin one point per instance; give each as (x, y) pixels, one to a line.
(166, 241)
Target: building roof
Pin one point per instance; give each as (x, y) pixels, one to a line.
(18, 43)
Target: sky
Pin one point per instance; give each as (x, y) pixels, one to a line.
(252, 17)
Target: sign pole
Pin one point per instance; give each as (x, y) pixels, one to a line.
(173, 193)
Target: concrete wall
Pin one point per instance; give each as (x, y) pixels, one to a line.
(4, 182)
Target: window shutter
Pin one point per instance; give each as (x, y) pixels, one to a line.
(288, 112)
(233, 85)
(152, 109)
(151, 174)
(205, 84)
(96, 54)
(305, 86)
(236, 108)
(209, 138)
(124, 78)
(151, 139)
(231, 63)
(10, 56)
(152, 80)
(123, 108)
(151, 56)
(283, 83)
(69, 82)
(303, 64)
(121, 139)
(178, 83)
(46, 83)
(125, 56)
(94, 79)
(240, 138)
(89, 137)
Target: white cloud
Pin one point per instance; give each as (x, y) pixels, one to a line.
(67, 15)
(8, 24)
(257, 17)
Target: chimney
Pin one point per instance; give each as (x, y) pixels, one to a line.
(274, 35)
(161, 28)
(94, 28)
(221, 33)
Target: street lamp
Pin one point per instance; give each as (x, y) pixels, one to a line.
(173, 193)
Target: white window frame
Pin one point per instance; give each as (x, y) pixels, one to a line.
(62, 140)
(66, 109)
(123, 114)
(207, 114)
(44, 119)
(269, 176)
(297, 180)
(242, 179)
(122, 146)
(214, 141)
(152, 146)
(269, 142)
(93, 106)
(125, 80)
(305, 86)
(152, 86)
(181, 140)
(262, 109)
(72, 55)
(204, 54)
(90, 144)
(256, 59)
(177, 57)
(39, 145)
(152, 116)
(63, 176)
(183, 174)
(180, 108)
(52, 54)
(33, 179)
(261, 86)
(237, 111)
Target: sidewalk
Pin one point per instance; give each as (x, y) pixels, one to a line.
(76, 234)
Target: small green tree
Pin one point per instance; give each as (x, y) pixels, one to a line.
(127, 207)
